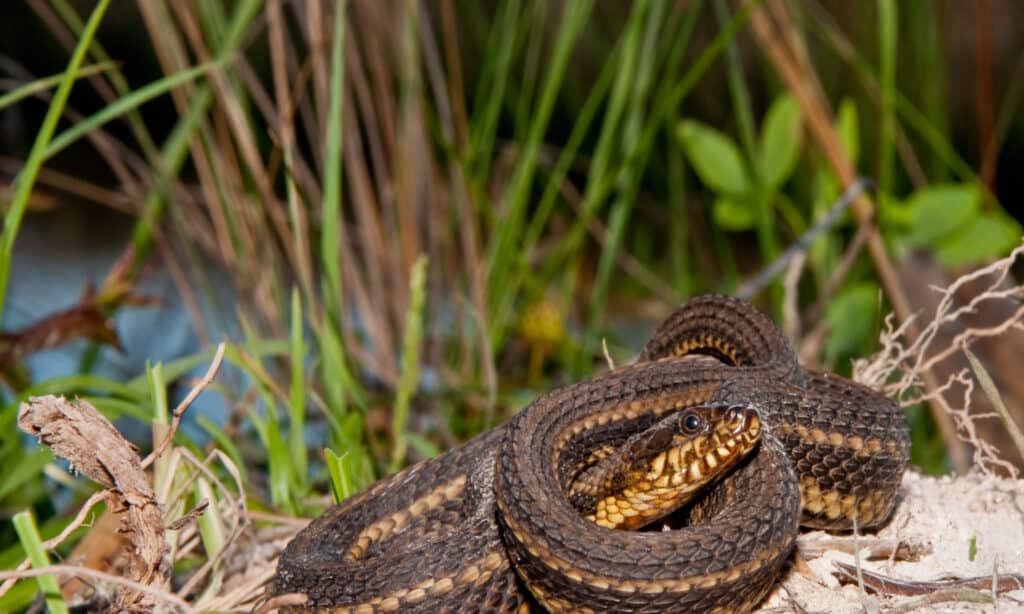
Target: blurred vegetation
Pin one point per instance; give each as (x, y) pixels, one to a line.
(429, 216)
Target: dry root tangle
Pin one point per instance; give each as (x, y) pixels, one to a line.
(899, 367)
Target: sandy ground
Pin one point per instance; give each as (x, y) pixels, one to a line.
(940, 516)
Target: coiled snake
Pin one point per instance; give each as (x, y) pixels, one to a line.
(506, 522)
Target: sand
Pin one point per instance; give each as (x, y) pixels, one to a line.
(939, 516)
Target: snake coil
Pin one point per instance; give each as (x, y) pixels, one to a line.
(487, 527)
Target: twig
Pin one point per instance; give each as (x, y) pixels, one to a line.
(870, 548)
(751, 287)
(10, 582)
(79, 520)
(57, 540)
(878, 583)
(71, 570)
(251, 589)
(856, 558)
(185, 403)
(803, 83)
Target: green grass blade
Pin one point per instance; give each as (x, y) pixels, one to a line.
(261, 348)
(297, 397)
(642, 72)
(342, 480)
(887, 29)
(84, 385)
(767, 241)
(537, 15)
(117, 79)
(934, 137)
(41, 85)
(176, 147)
(666, 99)
(504, 254)
(410, 376)
(337, 381)
(268, 426)
(161, 425)
(27, 177)
(491, 93)
(211, 525)
(115, 408)
(330, 237)
(278, 458)
(25, 526)
(125, 104)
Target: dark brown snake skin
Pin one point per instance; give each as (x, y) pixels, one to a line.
(487, 527)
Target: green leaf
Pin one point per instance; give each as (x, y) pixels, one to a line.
(986, 237)
(781, 138)
(715, 157)
(939, 210)
(849, 129)
(850, 316)
(894, 214)
(733, 213)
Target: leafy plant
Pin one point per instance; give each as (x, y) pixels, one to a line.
(745, 186)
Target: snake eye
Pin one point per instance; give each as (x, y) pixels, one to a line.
(692, 422)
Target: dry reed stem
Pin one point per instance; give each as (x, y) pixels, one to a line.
(780, 41)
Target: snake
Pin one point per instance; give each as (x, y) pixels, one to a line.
(512, 520)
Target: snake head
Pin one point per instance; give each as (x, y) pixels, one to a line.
(709, 440)
(682, 454)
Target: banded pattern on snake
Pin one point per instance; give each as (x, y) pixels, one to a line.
(495, 524)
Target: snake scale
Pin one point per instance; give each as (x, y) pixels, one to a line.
(489, 526)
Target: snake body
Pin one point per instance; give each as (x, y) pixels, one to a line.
(490, 526)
